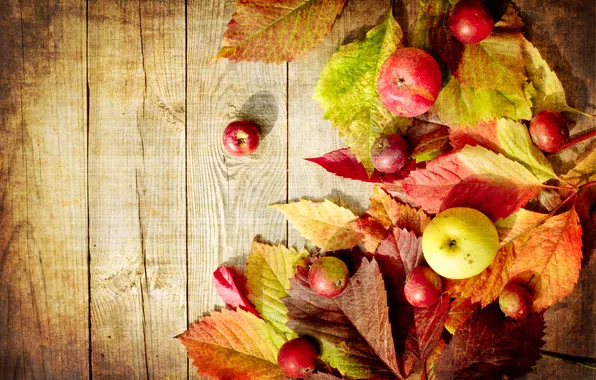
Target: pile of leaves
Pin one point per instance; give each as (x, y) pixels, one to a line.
(471, 149)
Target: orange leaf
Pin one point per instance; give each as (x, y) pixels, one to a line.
(233, 345)
(460, 309)
(390, 213)
(549, 259)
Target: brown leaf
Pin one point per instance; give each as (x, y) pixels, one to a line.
(373, 231)
(390, 213)
(460, 309)
(585, 169)
(273, 32)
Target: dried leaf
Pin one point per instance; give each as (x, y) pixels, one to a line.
(230, 285)
(585, 169)
(390, 213)
(409, 247)
(236, 345)
(472, 177)
(270, 31)
(269, 270)
(488, 346)
(373, 231)
(460, 309)
(431, 145)
(324, 223)
(347, 90)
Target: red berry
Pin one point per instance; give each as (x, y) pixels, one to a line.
(423, 287)
(389, 153)
(297, 358)
(471, 22)
(514, 301)
(549, 131)
(241, 138)
(328, 276)
(409, 82)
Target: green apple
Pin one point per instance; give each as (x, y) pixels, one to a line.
(460, 242)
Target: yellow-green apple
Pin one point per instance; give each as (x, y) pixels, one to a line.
(460, 242)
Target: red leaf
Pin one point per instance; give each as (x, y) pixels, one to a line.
(426, 332)
(344, 164)
(460, 309)
(488, 346)
(472, 177)
(483, 134)
(409, 247)
(229, 283)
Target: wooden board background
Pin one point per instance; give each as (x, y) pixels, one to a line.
(117, 200)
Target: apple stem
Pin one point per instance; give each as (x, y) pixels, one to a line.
(577, 140)
(578, 360)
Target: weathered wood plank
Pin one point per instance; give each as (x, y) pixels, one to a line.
(228, 196)
(309, 134)
(137, 188)
(43, 180)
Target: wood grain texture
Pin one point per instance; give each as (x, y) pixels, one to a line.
(228, 196)
(137, 188)
(43, 209)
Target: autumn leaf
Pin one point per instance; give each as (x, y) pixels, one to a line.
(518, 224)
(269, 270)
(342, 346)
(510, 138)
(431, 145)
(274, 32)
(344, 164)
(391, 213)
(347, 90)
(321, 376)
(488, 346)
(486, 286)
(230, 285)
(431, 362)
(327, 225)
(233, 344)
(584, 170)
(426, 331)
(472, 177)
(373, 231)
(549, 259)
(460, 309)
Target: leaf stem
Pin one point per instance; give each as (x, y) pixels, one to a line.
(578, 360)
(588, 184)
(577, 140)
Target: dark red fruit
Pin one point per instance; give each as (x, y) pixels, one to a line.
(389, 153)
(409, 82)
(241, 137)
(423, 287)
(549, 131)
(297, 358)
(328, 276)
(471, 21)
(515, 301)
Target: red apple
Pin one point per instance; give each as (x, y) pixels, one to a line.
(328, 276)
(297, 358)
(549, 131)
(409, 82)
(514, 301)
(471, 22)
(389, 153)
(241, 137)
(423, 287)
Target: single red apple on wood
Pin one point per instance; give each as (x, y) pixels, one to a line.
(409, 82)
(423, 287)
(297, 358)
(241, 138)
(549, 131)
(471, 22)
(389, 154)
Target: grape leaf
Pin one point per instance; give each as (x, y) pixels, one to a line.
(269, 269)
(431, 145)
(409, 247)
(549, 259)
(342, 346)
(488, 346)
(426, 331)
(518, 224)
(585, 169)
(486, 286)
(344, 164)
(347, 90)
(460, 309)
(324, 223)
(510, 138)
(230, 285)
(233, 344)
(373, 231)
(472, 177)
(270, 31)
(390, 213)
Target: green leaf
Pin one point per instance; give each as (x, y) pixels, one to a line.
(347, 90)
(269, 270)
